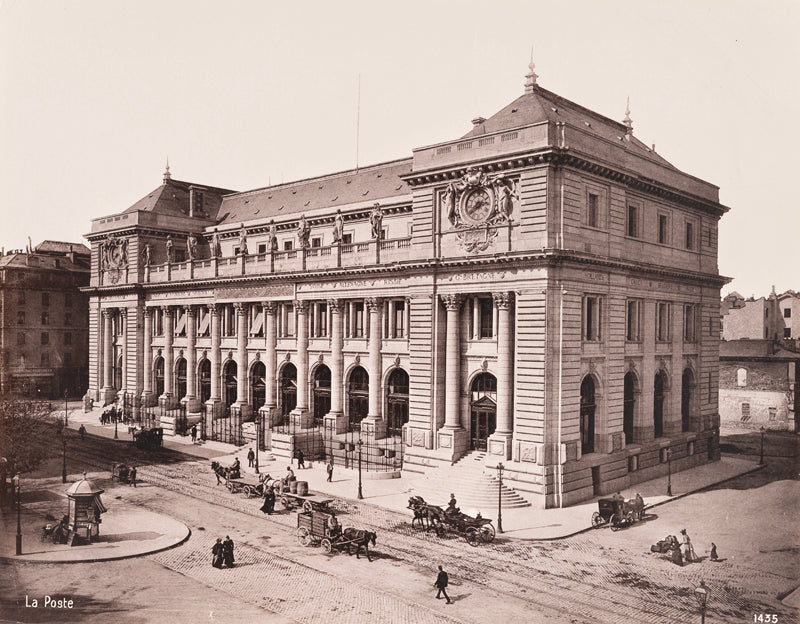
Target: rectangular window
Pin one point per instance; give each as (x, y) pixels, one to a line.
(68, 318)
(45, 299)
(633, 221)
(592, 208)
(45, 338)
(592, 318)
(68, 300)
(663, 229)
(787, 313)
(689, 235)
(20, 318)
(287, 319)
(633, 331)
(787, 332)
(689, 323)
(773, 413)
(316, 241)
(262, 248)
(67, 359)
(347, 239)
(20, 338)
(322, 320)
(67, 338)
(21, 296)
(358, 320)
(287, 245)
(399, 319)
(180, 255)
(45, 359)
(662, 321)
(487, 317)
(45, 318)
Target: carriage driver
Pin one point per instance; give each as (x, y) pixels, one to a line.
(334, 528)
(452, 508)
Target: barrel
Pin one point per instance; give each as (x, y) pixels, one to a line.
(293, 487)
(302, 488)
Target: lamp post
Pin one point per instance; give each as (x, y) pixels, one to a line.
(19, 507)
(66, 413)
(701, 594)
(258, 436)
(116, 418)
(761, 454)
(500, 469)
(669, 472)
(64, 458)
(359, 444)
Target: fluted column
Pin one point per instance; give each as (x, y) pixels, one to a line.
(147, 358)
(108, 392)
(452, 363)
(300, 415)
(335, 420)
(374, 345)
(499, 443)
(271, 359)
(166, 399)
(190, 400)
(123, 319)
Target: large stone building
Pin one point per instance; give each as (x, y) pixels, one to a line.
(543, 289)
(44, 330)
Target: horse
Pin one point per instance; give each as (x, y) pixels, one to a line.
(636, 505)
(226, 472)
(425, 513)
(360, 538)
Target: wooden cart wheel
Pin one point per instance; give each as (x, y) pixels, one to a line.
(630, 518)
(326, 545)
(439, 529)
(248, 491)
(487, 532)
(286, 502)
(615, 523)
(307, 506)
(597, 519)
(303, 536)
(472, 536)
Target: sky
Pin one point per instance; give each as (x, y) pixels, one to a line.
(96, 95)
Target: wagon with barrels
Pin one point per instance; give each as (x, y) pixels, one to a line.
(475, 530)
(320, 528)
(293, 494)
(618, 512)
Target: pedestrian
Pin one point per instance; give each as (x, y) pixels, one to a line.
(301, 462)
(227, 551)
(289, 475)
(132, 476)
(714, 556)
(251, 456)
(82, 431)
(329, 468)
(216, 554)
(194, 434)
(688, 549)
(441, 584)
(269, 502)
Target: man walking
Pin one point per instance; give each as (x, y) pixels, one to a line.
(441, 584)
(132, 476)
(329, 468)
(216, 554)
(194, 434)
(227, 551)
(251, 456)
(82, 431)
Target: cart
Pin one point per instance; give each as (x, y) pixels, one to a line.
(120, 472)
(314, 529)
(618, 512)
(308, 502)
(249, 485)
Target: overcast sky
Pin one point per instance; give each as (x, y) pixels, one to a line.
(95, 95)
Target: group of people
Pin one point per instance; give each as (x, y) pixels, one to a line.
(682, 551)
(222, 552)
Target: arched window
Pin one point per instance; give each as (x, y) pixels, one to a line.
(322, 392)
(258, 385)
(587, 415)
(288, 389)
(629, 407)
(658, 404)
(230, 383)
(180, 378)
(397, 399)
(687, 390)
(358, 396)
(158, 369)
(205, 380)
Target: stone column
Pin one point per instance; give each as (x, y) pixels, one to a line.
(373, 424)
(214, 403)
(453, 438)
(166, 400)
(267, 411)
(241, 408)
(147, 359)
(108, 393)
(123, 319)
(500, 440)
(300, 415)
(335, 419)
(190, 400)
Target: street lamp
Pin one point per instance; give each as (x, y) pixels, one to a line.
(16, 483)
(500, 469)
(669, 472)
(258, 436)
(761, 457)
(64, 458)
(66, 417)
(360, 444)
(116, 418)
(701, 594)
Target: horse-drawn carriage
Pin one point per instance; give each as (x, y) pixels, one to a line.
(618, 512)
(475, 530)
(120, 472)
(150, 439)
(308, 502)
(321, 528)
(226, 472)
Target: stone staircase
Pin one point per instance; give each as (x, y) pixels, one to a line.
(474, 485)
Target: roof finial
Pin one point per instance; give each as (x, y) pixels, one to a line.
(628, 121)
(167, 174)
(531, 76)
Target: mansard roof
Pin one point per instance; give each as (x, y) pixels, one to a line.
(540, 105)
(61, 247)
(367, 185)
(172, 198)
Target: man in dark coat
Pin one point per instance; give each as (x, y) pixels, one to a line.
(194, 433)
(251, 456)
(227, 551)
(301, 462)
(441, 584)
(329, 468)
(216, 554)
(132, 476)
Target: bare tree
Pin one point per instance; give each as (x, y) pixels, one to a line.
(26, 431)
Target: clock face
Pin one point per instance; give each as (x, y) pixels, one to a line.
(477, 206)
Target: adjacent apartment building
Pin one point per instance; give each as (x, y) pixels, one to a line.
(44, 321)
(541, 291)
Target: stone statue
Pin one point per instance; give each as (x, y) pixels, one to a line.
(243, 241)
(376, 221)
(272, 241)
(170, 249)
(216, 247)
(146, 253)
(303, 232)
(191, 247)
(338, 226)
(449, 202)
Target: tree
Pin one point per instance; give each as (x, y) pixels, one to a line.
(26, 430)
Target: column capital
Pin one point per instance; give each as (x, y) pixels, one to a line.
(452, 301)
(269, 307)
(300, 306)
(109, 312)
(167, 310)
(503, 300)
(335, 305)
(190, 309)
(373, 303)
(148, 312)
(240, 307)
(123, 312)
(214, 308)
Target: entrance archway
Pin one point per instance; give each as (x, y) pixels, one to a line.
(288, 389)
(687, 391)
(483, 410)
(118, 373)
(659, 384)
(180, 378)
(629, 406)
(322, 392)
(258, 385)
(397, 399)
(588, 407)
(158, 375)
(357, 397)
(205, 380)
(230, 383)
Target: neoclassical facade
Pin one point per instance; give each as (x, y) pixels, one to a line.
(543, 291)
